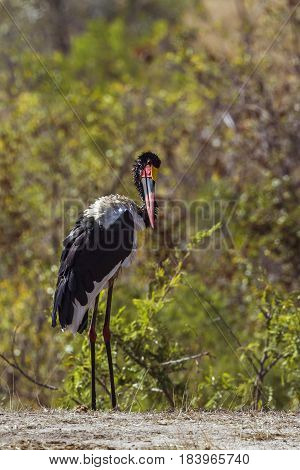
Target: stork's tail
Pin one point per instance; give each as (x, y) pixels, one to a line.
(63, 304)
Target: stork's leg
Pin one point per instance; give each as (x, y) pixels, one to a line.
(106, 336)
(93, 337)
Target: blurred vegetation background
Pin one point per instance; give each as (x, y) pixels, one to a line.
(211, 319)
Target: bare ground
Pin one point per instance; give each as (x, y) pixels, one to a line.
(58, 429)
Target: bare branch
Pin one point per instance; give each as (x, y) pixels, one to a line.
(102, 383)
(274, 362)
(184, 359)
(31, 379)
(77, 401)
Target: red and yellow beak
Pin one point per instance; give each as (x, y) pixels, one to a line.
(149, 176)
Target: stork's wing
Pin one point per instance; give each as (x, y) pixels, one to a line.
(90, 254)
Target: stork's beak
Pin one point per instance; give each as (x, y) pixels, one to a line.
(148, 182)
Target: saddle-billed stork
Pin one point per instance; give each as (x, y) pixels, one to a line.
(103, 241)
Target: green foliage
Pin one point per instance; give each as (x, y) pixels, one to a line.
(270, 360)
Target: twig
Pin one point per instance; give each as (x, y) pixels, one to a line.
(274, 362)
(184, 359)
(77, 401)
(18, 368)
(102, 383)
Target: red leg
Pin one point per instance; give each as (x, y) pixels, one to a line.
(106, 336)
(93, 337)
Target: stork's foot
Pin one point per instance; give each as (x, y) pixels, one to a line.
(116, 409)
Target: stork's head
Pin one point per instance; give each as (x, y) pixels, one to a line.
(145, 171)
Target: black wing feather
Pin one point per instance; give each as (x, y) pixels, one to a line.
(90, 253)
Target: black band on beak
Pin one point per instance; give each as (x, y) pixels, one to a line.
(149, 193)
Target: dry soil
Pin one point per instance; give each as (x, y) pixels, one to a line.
(57, 429)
